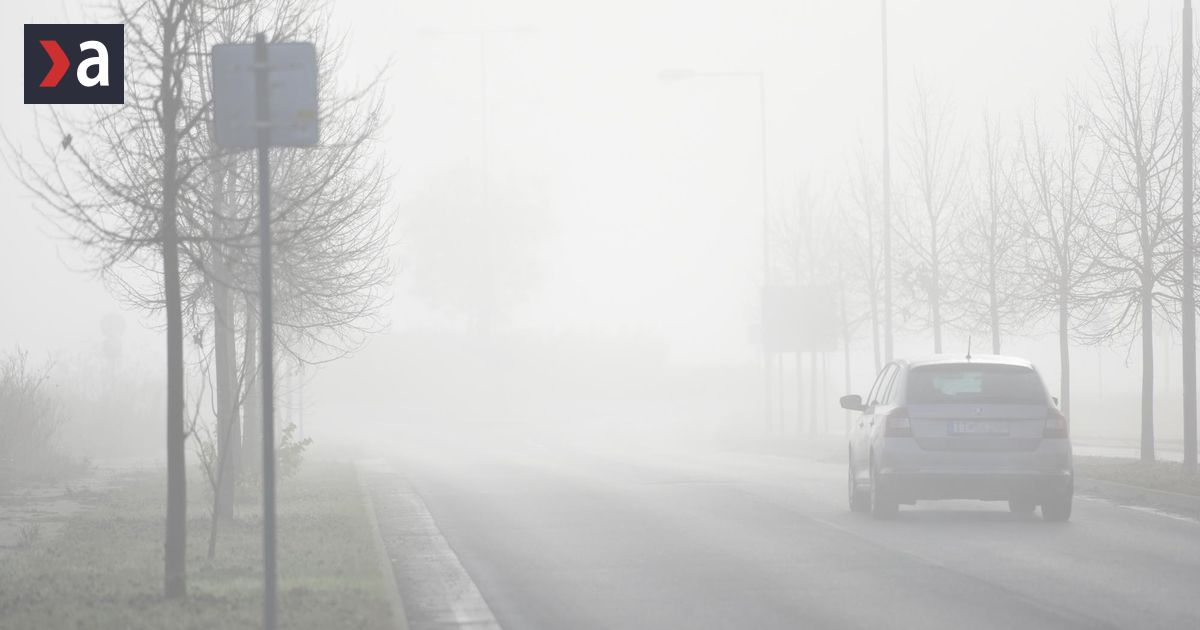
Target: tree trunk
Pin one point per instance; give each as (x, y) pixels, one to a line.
(1147, 377)
(252, 401)
(782, 395)
(1064, 357)
(872, 297)
(1147, 280)
(174, 556)
(812, 393)
(935, 289)
(799, 393)
(229, 436)
(175, 568)
(993, 260)
(994, 310)
(825, 392)
(874, 330)
(846, 388)
(1165, 335)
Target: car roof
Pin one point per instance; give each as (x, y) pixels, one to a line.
(978, 359)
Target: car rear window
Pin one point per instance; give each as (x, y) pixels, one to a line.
(975, 384)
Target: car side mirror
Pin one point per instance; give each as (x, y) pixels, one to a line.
(853, 402)
(1055, 399)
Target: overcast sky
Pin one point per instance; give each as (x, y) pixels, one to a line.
(653, 189)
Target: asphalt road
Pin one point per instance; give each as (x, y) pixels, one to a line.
(579, 533)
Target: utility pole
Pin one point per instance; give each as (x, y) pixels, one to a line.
(483, 116)
(766, 246)
(486, 39)
(1189, 254)
(887, 198)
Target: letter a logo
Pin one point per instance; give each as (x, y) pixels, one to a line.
(96, 53)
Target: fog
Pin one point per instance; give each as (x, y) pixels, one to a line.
(549, 299)
(634, 204)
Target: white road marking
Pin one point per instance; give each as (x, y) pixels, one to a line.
(399, 616)
(1139, 508)
(436, 588)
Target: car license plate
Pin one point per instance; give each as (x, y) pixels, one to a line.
(978, 427)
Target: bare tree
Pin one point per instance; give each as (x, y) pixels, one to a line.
(796, 243)
(796, 260)
(935, 165)
(990, 249)
(860, 238)
(808, 254)
(145, 180)
(330, 237)
(1135, 114)
(1059, 186)
(115, 181)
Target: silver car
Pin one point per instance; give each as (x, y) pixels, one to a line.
(959, 428)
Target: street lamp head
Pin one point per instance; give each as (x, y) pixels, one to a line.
(516, 30)
(671, 75)
(524, 31)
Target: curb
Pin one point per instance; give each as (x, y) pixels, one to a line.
(1137, 495)
(399, 616)
(436, 591)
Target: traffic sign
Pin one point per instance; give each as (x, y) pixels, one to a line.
(291, 95)
(265, 95)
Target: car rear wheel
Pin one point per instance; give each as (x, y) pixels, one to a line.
(859, 501)
(883, 506)
(1022, 505)
(1057, 507)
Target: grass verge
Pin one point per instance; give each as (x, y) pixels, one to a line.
(105, 570)
(1166, 476)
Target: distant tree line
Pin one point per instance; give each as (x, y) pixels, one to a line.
(1025, 224)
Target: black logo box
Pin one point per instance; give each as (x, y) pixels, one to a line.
(69, 37)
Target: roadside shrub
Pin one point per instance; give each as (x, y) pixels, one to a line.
(289, 456)
(30, 415)
(291, 451)
(114, 405)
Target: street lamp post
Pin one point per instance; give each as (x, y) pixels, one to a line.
(673, 75)
(1189, 253)
(484, 34)
(887, 196)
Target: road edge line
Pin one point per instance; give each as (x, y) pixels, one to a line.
(1162, 499)
(395, 602)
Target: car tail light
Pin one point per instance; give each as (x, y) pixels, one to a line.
(897, 423)
(1056, 424)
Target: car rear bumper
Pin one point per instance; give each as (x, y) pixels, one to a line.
(984, 486)
(911, 473)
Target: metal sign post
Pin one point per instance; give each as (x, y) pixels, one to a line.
(263, 136)
(271, 91)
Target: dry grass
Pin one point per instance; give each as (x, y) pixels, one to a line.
(105, 570)
(1168, 476)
